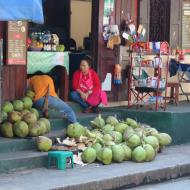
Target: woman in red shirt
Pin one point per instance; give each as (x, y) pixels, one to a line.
(87, 88)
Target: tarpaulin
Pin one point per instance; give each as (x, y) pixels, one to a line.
(30, 10)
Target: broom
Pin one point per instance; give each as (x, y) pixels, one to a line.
(45, 105)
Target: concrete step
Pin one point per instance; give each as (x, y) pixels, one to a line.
(16, 144)
(173, 163)
(21, 160)
(58, 130)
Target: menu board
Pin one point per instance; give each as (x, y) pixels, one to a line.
(186, 24)
(16, 43)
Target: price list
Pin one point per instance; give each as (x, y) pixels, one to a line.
(16, 42)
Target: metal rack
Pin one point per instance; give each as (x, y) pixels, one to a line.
(145, 90)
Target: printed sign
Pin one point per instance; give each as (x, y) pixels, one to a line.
(186, 25)
(16, 42)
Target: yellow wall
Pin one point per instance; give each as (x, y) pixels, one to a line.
(80, 20)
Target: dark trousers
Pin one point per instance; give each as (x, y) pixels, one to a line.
(76, 97)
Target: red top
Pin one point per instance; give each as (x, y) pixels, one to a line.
(94, 77)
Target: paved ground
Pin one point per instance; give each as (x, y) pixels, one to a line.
(172, 163)
(179, 184)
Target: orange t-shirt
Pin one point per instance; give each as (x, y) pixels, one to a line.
(39, 85)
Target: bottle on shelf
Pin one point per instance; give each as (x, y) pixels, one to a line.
(53, 44)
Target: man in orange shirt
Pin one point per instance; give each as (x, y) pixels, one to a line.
(40, 84)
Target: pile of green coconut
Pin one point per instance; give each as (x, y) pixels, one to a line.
(110, 140)
(19, 119)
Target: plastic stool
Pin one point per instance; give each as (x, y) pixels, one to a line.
(60, 158)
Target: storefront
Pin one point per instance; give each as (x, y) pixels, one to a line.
(13, 36)
(59, 21)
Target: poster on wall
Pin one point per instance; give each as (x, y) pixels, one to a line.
(16, 42)
(186, 24)
(108, 11)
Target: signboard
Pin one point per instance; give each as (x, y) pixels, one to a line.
(186, 24)
(16, 43)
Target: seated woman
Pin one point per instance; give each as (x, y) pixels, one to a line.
(87, 88)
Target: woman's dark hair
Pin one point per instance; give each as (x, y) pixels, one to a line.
(88, 59)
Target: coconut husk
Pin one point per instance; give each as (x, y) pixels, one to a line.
(81, 146)
(65, 148)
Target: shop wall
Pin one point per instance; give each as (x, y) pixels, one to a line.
(13, 82)
(12, 77)
(80, 20)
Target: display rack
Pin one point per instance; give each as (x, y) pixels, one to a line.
(148, 76)
(183, 73)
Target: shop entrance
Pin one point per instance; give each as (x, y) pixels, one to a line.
(159, 20)
(67, 26)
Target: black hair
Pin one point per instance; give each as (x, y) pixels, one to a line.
(36, 73)
(88, 59)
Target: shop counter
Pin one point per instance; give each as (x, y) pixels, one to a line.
(45, 62)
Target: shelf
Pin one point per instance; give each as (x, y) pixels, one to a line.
(144, 83)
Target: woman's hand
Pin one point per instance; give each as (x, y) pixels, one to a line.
(84, 96)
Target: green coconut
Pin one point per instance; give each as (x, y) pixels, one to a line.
(164, 139)
(21, 129)
(153, 141)
(35, 111)
(89, 155)
(29, 118)
(14, 116)
(18, 105)
(128, 133)
(23, 112)
(121, 127)
(107, 128)
(44, 144)
(7, 107)
(34, 130)
(98, 122)
(140, 132)
(150, 152)
(112, 120)
(106, 156)
(99, 155)
(42, 126)
(132, 123)
(127, 151)
(7, 129)
(47, 123)
(134, 141)
(30, 94)
(118, 153)
(27, 102)
(151, 132)
(117, 137)
(139, 154)
(3, 116)
(75, 130)
(97, 147)
(107, 138)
